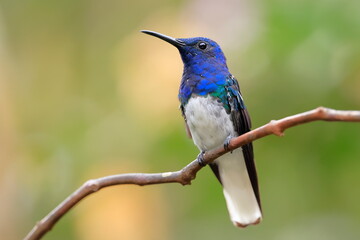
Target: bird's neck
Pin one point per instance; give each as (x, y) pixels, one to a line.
(202, 78)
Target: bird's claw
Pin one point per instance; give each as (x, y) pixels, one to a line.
(200, 159)
(227, 143)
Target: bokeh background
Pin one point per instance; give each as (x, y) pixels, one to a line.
(84, 94)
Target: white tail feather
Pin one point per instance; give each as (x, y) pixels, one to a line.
(239, 194)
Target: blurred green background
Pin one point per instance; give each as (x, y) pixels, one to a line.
(83, 94)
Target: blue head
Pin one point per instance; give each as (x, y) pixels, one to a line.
(197, 53)
(201, 55)
(205, 68)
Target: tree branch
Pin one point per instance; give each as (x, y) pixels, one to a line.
(188, 173)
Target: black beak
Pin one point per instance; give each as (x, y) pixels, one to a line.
(176, 42)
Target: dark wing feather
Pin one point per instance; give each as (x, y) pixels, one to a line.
(188, 133)
(242, 123)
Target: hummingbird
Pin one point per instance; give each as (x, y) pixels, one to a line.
(214, 112)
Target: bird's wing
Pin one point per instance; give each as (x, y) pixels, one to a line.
(242, 124)
(188, 133)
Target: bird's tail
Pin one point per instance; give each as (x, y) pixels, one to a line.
(240, 198)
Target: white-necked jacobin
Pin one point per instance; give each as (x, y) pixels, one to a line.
(214, 112)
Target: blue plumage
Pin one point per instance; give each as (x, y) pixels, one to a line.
(204, 70)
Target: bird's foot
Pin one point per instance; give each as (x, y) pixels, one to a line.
(200, 159)
(227, 143)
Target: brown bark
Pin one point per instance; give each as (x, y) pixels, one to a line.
(188, 173)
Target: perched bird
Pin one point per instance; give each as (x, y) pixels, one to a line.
(214, 112)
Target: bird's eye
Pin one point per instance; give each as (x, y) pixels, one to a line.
(202, 45)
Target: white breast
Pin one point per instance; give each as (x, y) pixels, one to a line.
(208, 122)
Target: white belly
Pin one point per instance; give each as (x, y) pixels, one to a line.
(210, 125)
(208, 122)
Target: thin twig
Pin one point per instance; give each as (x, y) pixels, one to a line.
(188, 173)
